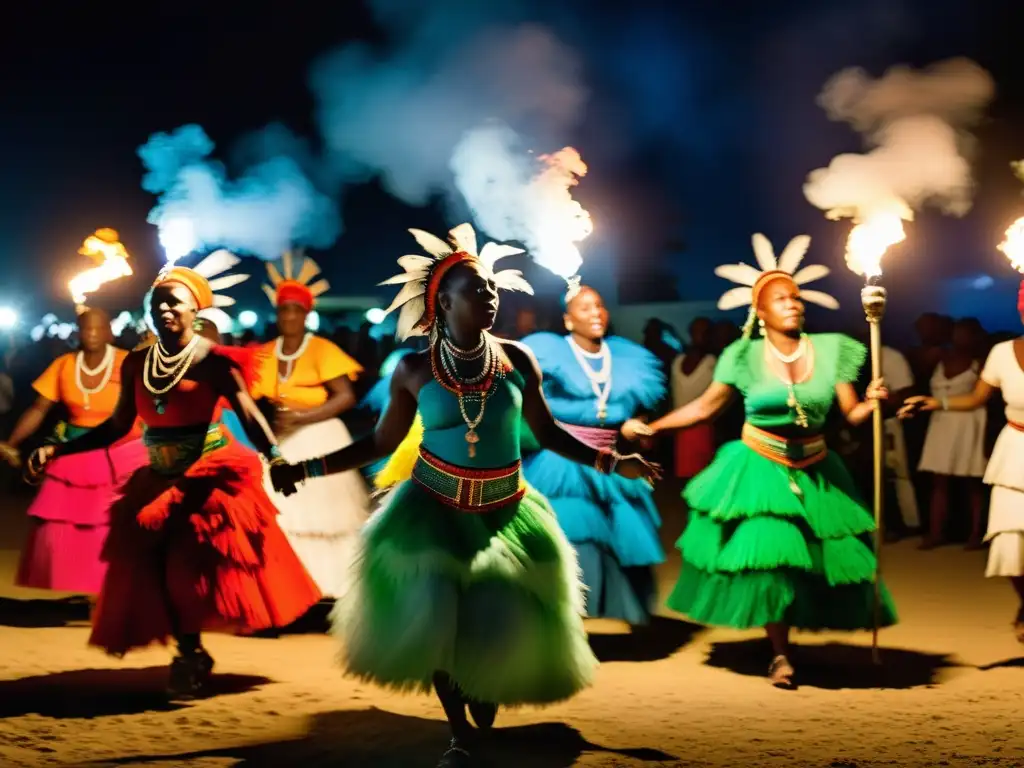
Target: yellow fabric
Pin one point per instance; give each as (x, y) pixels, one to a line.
(399, 466)
(57, 384)
(322, 361)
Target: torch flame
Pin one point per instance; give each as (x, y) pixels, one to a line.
(1013, 245)
(560, 222)
(869, 240)
(104, 248)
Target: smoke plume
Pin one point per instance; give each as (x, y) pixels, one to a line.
(916, 126)
(270, 207)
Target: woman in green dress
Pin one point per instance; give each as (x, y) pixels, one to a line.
(778, 537)
(463, 580)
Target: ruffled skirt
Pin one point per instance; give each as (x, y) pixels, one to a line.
(756, 553)
(196, 552)
(70, 518)
(491, 598)
(613, 524)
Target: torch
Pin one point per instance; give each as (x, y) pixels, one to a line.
(111, 260)
(865, 248)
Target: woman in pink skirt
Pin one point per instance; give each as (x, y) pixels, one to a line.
(69, 517)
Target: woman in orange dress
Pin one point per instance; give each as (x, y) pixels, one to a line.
(308, 381)
(70, 516)
(193, 545)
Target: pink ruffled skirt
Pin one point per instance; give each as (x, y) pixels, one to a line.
(70, 518)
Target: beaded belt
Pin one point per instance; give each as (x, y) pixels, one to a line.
(593, 437)
(173, 449)
(468, 490)
(795, 453)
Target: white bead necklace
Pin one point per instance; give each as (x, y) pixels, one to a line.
(289, 360)
(161, 365)
(799, 352)
(600, 378)
(106, 367)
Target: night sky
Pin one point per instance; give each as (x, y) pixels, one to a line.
(699, 128)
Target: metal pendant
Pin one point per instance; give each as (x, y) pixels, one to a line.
(472, 438)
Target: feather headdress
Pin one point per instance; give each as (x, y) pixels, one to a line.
(288, 285)
(421, 278)
(205, 281)
(751, 280)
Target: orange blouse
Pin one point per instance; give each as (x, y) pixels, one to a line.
(322, 361)
(57, 384)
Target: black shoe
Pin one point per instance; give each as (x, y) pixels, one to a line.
(190, 672)
(483, 714)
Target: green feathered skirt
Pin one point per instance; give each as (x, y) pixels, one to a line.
(756, 553)
(492, 598)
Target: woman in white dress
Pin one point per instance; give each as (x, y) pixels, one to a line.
(308, 379)
(954, 446)
(692, 373)
(1003, 370)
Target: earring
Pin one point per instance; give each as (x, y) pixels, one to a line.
(568, 326)
(197, 324)
(760, 326)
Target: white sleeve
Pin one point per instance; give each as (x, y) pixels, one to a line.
(897, 372)
(992, 374)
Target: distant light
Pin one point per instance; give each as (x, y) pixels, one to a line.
(248, 319)
(8, 318)
(48, 319)
(38, 332)
(62, 331)
(119, 323)
(178, 238)
(982, 283)
(313, 321)
(375, 315)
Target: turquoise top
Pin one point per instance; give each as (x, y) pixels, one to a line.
(444, 429)
(837, 359)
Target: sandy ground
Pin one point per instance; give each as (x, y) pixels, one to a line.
(950, 692)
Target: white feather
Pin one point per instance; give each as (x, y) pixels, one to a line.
(286, 264)
(512, 280)
(409, 291)
(406, 277)
(220, 300)
(218, 317)
(742, 274)
(217, 262)
(414, 263)
(228, 281)
(736, 297)
(276, 278)
(308, 271)
(764, 252)
(491, 252)
(810, 273)
(271, 294)
(464, 238)
(432, 244)
(794, 253)
(820, 298)
(319, 288)
(409, 318)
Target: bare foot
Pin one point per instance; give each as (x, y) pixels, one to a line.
(781, 673)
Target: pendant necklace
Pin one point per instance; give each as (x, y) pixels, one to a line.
(475, 388)
(161, 365)
(106, 367)
(601, 377)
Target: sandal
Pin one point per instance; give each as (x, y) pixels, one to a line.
(781, 673)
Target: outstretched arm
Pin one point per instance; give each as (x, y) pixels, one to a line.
(30, 421)
(704, 408)
(233, 388)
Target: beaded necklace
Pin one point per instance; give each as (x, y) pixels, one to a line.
(471, 390)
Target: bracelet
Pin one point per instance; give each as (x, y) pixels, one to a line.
(944, 401)
(314, 468)
(275, 452)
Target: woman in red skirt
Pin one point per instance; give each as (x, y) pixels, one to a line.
(193, 544)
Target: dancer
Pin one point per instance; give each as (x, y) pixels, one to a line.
(1004, 370)
(464, 581)
(595, 386)
(308, 379)
(193, 545)
(208, 329)
(777, 536)
(70, 516)
(692, 373)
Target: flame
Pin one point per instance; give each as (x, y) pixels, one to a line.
(560, 222)
(111, 259)
(1013, 245)
(869, 240)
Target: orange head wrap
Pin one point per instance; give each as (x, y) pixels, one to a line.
(437, 273)
(294, 292)
(197, 285)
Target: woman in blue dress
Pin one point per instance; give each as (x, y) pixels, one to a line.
(595, 386)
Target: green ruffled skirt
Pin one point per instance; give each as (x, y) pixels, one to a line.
(755, 552)
(494, 599)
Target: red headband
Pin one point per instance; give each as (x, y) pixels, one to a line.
(294, 292)
(1020, 298)
(434, 283)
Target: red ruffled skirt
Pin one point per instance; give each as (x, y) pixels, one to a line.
(695, 448)
(197, 552)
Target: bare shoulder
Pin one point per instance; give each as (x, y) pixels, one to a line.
(413, 371)
(521, 357)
